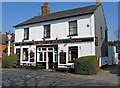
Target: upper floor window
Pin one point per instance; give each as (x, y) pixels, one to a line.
(26, 33)
(73, 27)
(46, 31)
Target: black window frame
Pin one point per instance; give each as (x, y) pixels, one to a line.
(76, 27)
(41, 56)
(26, 33)
(46, 31)
(25, 49)
(72, 53)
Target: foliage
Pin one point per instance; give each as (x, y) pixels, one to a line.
(87, 65)
(9, 61)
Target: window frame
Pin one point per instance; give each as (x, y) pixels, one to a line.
(46, 30)
(27, 34)
(73, 28)
(70, 47)
(27, 55)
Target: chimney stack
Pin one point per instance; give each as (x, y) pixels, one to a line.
(45, 8)
(97, 2)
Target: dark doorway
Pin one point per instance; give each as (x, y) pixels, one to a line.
(50, 56)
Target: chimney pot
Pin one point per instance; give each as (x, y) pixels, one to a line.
(45, 8)
(97, 2)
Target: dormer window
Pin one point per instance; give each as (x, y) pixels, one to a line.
(26, 33)
(46, 31)
(73, 28)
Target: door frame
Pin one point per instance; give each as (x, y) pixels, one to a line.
(52, 53)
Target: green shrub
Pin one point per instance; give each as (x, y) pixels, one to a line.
(9, 61)
(87, 65)
(5, 62)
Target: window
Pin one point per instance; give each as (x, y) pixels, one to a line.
(51, 49)
(56, 56)
(46, 31)
(44, 56)
(39, 49)
(73, 28)
(44, 49)
(25, 54)
(26, 33)
(101, 32)
(72, 53)
(41, 56)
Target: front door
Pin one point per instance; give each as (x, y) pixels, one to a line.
(50, 60)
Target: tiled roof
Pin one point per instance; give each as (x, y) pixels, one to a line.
(60, 14)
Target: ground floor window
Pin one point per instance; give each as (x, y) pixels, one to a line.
(25, 54)
(44, 56)
(72, 53)
(41, 56)
(56, 55)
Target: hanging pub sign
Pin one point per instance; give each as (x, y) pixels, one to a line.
(9, 37)
(63, 58)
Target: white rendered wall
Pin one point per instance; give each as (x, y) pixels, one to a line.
(84, 49)
(19, 35)
(99, 22)
(36, 33)
(59, 29)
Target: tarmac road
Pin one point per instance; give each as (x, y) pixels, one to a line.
(18, 77)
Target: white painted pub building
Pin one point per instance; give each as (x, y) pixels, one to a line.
(61, 37)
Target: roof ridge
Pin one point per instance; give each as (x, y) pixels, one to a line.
(60, 14)
(68, 10)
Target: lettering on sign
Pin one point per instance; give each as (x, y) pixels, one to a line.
(91, 39)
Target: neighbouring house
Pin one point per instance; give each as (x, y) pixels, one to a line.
(61, 37)
(3, 45)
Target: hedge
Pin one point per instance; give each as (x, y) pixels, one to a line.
(9, 61)
(87, 65)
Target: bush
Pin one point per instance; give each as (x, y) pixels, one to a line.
(87, 65)
(9, 61)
